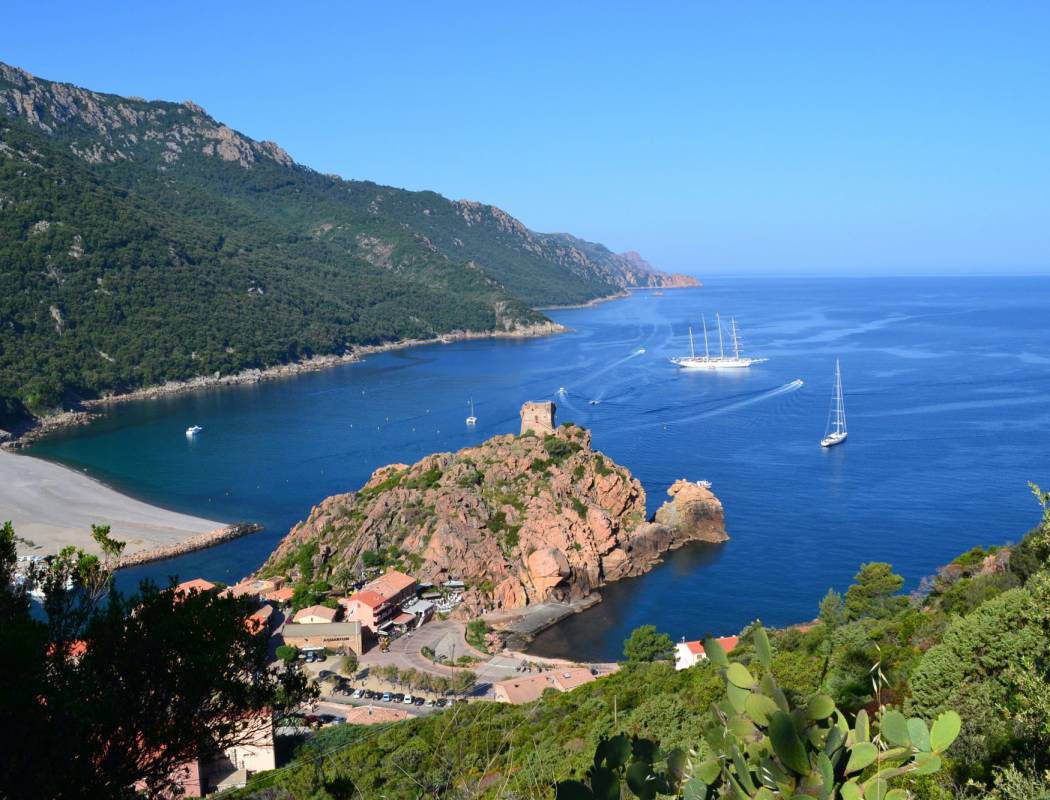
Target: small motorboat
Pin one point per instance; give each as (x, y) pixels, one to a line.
(194, 430)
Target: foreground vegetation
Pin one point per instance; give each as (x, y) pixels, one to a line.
(105, 695)
(977, 642)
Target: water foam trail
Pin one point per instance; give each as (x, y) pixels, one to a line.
(791, 386)
(591, 378)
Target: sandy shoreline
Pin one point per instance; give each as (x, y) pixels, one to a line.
(54, 506)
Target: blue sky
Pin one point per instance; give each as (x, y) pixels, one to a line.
(853, 138)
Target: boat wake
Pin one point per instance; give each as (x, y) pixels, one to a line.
(768, 394)
(591, 378)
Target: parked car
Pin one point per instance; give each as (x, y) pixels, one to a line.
(430, 703)
(408, 700)
(327, 718)
(441, 702)
(386, 697)
(357, 693)
(398, 697)
(320, 657)
(418, 701)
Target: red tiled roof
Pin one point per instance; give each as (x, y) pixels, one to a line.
(728, 643)
(390, 584)
(280, 595)
(368, 598)
(326, 613)
(198, 584)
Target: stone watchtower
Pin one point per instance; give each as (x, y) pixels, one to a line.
(538, 418)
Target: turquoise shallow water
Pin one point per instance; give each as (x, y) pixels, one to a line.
(947, 392)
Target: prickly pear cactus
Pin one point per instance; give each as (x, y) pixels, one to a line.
(759, 747)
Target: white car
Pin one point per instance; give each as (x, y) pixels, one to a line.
(356, 694)
(408, 700)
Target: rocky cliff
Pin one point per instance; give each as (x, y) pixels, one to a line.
(519, 519)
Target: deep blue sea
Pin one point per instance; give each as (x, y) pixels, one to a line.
(947, 386)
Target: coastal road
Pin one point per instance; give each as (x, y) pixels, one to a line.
(53, 506)
(447, 637)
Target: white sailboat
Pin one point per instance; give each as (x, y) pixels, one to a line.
(472, 420)
(836, 431)
(734, 361)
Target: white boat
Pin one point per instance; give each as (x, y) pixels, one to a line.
(836, 430)
(721, 361)
(194, 430)
(472, 420)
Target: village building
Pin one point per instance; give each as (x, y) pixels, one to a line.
(315, 615)
(372, 715)
(279, 597)
(231, 767)
(524, 690)
(688, 654)
(341, 637)
(262, 619)
(379, 602)
(256, 588)
(197, 584)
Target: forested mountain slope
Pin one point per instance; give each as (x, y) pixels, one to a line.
(144, 241)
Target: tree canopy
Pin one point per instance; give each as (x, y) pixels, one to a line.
(106, 691)
(647, 644)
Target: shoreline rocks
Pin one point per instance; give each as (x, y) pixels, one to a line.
(45, 426)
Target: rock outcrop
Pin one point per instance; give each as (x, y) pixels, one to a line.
(694, 512)
(520, 519)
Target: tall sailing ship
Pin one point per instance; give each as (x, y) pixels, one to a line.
(707, 361)
(835, 432)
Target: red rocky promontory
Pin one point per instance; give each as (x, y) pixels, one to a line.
(520, 519)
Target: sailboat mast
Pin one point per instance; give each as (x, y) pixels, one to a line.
(736, 341)
(692, 352)
(840, 417)
(707, 351)
(721, 346)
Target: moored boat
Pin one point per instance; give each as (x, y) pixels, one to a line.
(735, 361)
(835, 432)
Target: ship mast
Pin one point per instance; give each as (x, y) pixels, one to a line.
(721, 347)
(840, 410)
(692, 352)
(736, 341)
(707, 352)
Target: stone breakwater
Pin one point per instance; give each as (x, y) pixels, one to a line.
(199, 542)
(45, 426)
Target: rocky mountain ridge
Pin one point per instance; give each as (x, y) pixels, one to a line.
(143, 242)
(105, 129)
(520, 519)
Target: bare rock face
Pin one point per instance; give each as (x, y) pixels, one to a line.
(693, 513)
(519, 519)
